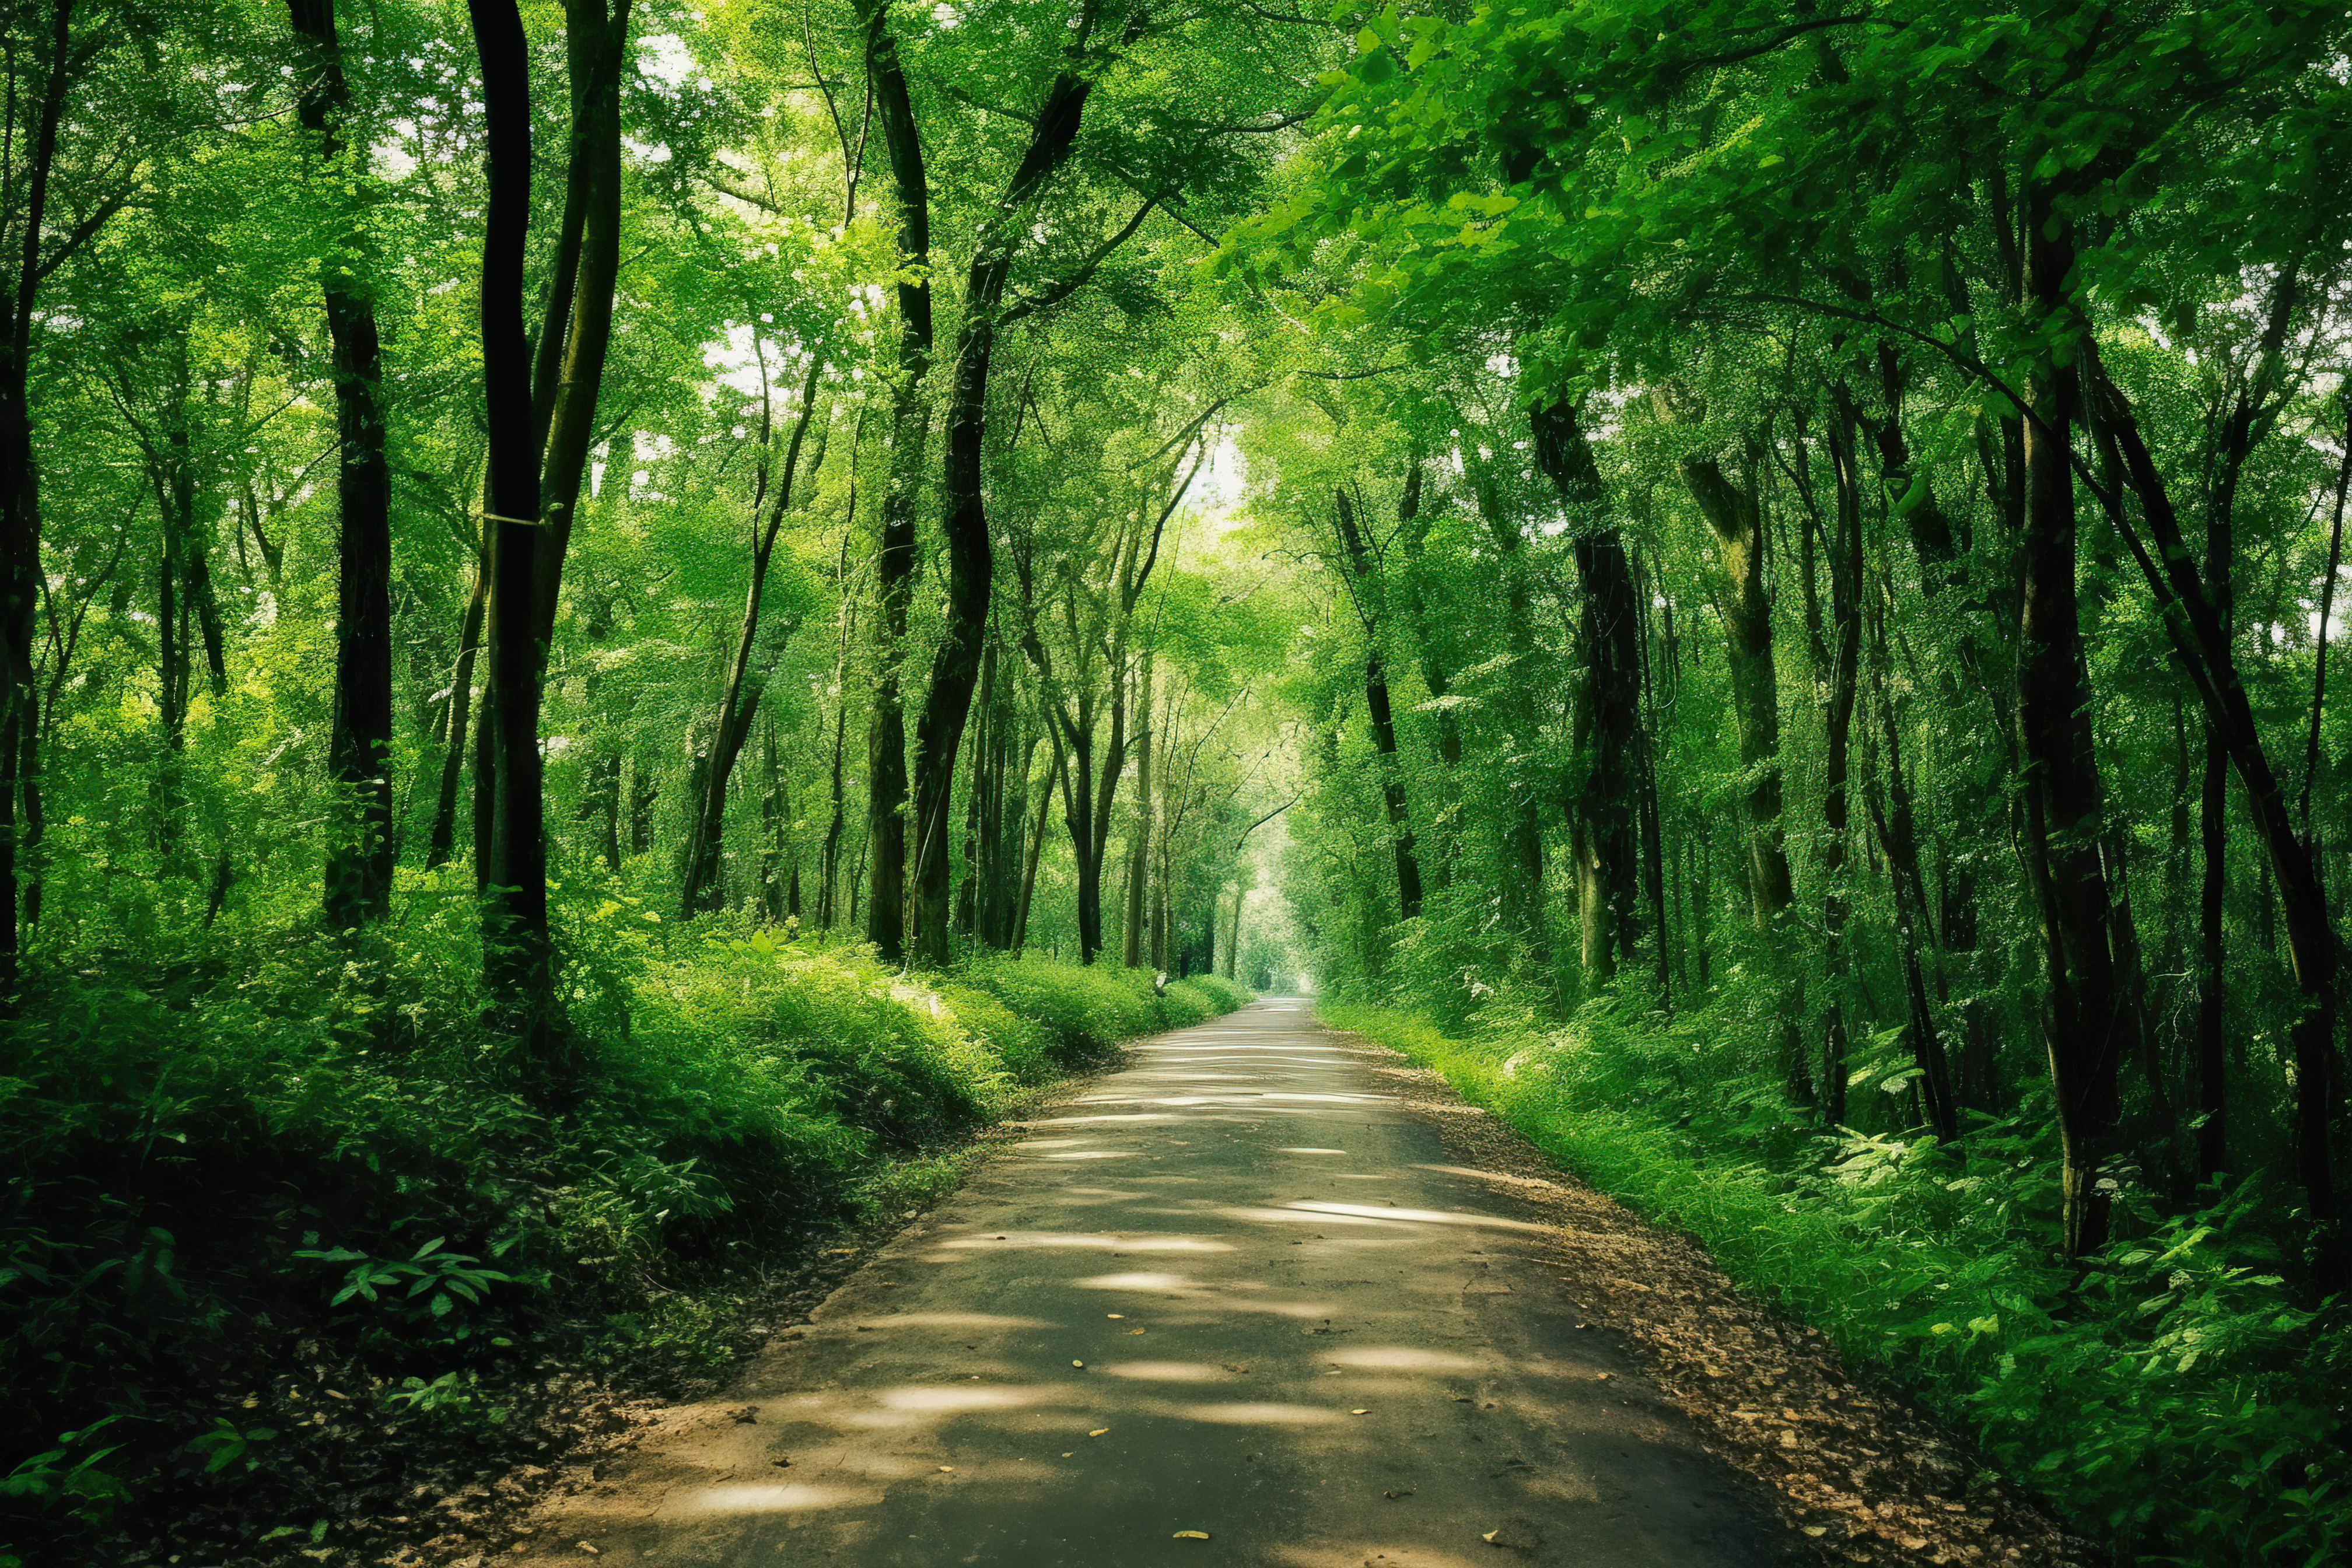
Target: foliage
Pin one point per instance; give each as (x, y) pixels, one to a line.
(2172, 1394)
(234, 1159)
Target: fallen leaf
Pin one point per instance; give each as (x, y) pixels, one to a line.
(1406, 1492)
(946, 1469)
(1359, 1412)
(589, 1549)
(1098, 1431)
(1489, 1537)
(1071, 1456)
(1077, 1363)
(1189, 1535)
(1465, 1399)
(1114, 1314)
(1605, 1377)
(1237, 1366)
(1133, 1332)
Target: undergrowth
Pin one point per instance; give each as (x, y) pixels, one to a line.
(2172, 1396)
(221, 1173)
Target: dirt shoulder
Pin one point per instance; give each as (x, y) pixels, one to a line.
(1861, 1473)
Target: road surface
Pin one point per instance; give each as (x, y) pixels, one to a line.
(1235, 1288)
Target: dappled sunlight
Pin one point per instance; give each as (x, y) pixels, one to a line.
(1429, 1216)
(954, 1399)
(1372, 1552)
(1136, 1282)
(1496, 1178)
(1166, 1371)
(981, 1320)
(1265, 1414)
(1294, 1215)
(773, 1499)
(1400, 1358)
(1072, 1238)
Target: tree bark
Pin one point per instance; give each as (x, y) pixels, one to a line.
(895, 558)
(597, 46)
(1735, 513)
(1520, 885)
(358, 883)
(1412, 528)
(1844, 678)
(738, 700)
(1602, 809)
(1368, 596)
(955, 666)
(20, 546)
(1138, 857)
(517, 955)
(2081, 1012)
(441, 839)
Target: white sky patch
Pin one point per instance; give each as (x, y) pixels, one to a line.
(737, 364)
(664, 58)
(390, 157)
(1221, 486)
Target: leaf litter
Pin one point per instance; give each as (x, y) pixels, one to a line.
(1860, 1473)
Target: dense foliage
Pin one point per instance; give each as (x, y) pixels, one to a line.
(592, 589)
(1833, 732)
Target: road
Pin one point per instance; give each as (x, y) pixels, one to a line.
(1235, 1288)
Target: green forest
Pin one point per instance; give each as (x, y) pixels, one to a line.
(622, 622)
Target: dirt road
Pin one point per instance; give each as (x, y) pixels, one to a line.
(1233, 1289)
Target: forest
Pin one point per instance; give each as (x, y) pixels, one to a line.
(625, 621)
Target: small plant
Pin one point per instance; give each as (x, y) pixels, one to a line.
(425, 1286)
(59, 1479)
(227, 1444)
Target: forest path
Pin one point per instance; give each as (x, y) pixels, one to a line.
(1236, 1288)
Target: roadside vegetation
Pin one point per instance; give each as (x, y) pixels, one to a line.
(2166, 1393)
(277, 1258)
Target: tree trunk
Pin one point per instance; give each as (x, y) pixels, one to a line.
(1036, 849)
(1138, 857)
(2082, 1013)
(1520, 885)
(1844, 679)
(955, 666)
(2314, 947)
(517, 956)
(442, 840)
(597, 45)
(1735, 515)
(20, 544)
(1367, 594)
(895, 556)
(358, 883)
(1602, 809)
(828, 888)
(1412, 528)
(739, 701)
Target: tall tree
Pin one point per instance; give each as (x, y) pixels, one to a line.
(358, 889)
(519, 955)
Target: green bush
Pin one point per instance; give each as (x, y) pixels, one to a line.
(219, 1147)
